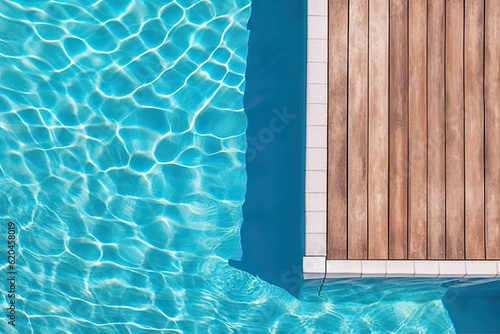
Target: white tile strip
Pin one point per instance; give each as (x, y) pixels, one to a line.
(316, 131)
(343, 268)
(407, 268)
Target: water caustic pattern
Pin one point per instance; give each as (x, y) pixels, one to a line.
(122, 142)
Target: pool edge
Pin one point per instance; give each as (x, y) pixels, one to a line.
(316, 267)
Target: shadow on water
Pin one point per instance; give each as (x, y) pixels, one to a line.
(274, 101)
(474, 306)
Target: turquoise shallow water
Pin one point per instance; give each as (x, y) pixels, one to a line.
(122, 160)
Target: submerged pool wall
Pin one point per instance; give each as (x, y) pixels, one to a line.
(474, 305)
(275, 104)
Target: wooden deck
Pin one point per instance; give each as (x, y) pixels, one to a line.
(414, 129)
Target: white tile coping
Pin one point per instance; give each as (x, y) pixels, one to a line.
(400, 268)
(314, 267)
(373, 268)
(316, 130)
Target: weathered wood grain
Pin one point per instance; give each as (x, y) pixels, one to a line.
(492, 131)
(417, 119)
(398, 129)
(337, 129)
(474, 130)
(455, 199)
(378, 143)
(436, 131)
(357, 157)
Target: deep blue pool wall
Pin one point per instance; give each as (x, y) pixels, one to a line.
(474, 306)
(272, 234)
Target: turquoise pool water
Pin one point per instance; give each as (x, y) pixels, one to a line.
(122, 162)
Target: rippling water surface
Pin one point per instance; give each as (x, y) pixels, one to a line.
(122, 147)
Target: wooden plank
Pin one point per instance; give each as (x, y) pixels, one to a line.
(474, 126)
(492, 131)
(337, 129)
(378, 143)
(357, 130)
(455, 199)
(398, 129)
(436, 131)
(417, 119)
